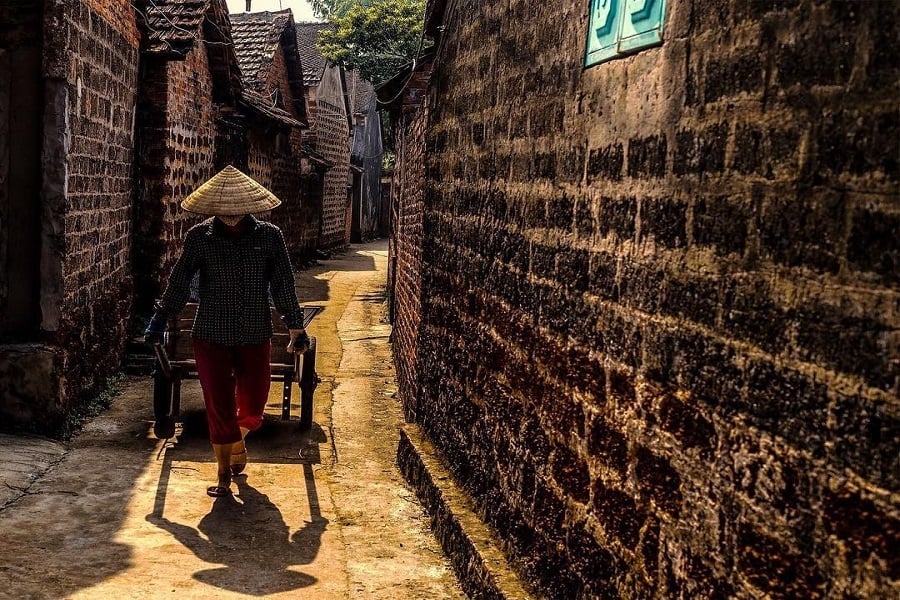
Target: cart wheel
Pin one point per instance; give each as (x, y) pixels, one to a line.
(308, 383)
(162, 395)
(164, 428)
(164, 425)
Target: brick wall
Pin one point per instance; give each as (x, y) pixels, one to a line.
(97, 270)
(405, 242)
(178, 152)
(332, 141)
(120, 13)
(296, 217)
(659, 323)
(77, 237)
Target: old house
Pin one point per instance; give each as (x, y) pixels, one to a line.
(188, 125)
(647, 296)
(366, 153)
(68, 82)
(329, 137)
(275, 103)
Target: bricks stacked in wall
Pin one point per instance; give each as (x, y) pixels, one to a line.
(406, 251)
(332, 141)
(96, 267)
(178, 134)
(659, 319)
(279, 162)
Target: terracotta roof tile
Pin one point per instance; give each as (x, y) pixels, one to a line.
(261, 106)
(312, 60)
(256, 38)
(173, 25)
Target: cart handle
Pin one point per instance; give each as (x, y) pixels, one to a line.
(163, 357)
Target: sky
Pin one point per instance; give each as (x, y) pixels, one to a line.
(300, 8)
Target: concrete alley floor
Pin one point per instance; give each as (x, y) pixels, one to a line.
(324, 514)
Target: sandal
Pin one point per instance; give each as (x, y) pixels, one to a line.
(219, 490)
(238, 467)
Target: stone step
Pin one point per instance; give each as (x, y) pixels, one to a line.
(471, 546)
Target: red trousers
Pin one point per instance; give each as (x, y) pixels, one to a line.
(235, 382)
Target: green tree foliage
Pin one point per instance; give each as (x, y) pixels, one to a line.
(327, 9)
(377, 38)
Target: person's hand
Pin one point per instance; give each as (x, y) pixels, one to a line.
(299, 341)
(155, 330)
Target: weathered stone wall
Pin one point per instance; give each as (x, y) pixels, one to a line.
(659, 328)
(121, 14)
(177, 153)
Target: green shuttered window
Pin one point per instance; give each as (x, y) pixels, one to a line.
(621, 27)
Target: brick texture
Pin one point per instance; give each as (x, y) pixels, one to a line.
(177, 152)
(97, 283)
(274, 159)
(331, 130)
(405, 245)
(654, 327)
(79, 239)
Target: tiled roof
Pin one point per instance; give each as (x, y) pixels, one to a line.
(256, 37)
(172, 25)
(312, 60)
(361, 91)
(262, 107)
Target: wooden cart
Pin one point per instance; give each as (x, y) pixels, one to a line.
(175, 363)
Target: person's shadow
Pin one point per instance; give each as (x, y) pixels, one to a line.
(248, 535)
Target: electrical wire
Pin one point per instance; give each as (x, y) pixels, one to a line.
(415, 64)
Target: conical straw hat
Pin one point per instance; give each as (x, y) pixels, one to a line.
(230, 192)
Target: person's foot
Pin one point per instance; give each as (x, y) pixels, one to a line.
(222, 487)
(238, 461)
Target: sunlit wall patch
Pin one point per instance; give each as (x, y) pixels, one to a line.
(620, 27)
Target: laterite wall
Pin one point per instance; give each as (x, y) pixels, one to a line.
(659, 303)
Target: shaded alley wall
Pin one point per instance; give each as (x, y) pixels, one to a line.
(405, 250)
(297, 216)
(88, 70)
(178, 152)
(659, 303)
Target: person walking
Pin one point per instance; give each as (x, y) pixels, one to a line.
(241, 262)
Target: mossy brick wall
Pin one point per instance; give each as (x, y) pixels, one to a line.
(100, 46)
(659, 324)
(177, 154)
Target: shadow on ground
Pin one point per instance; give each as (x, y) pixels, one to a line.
(247, 532)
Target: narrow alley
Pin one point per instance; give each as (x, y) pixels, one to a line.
(324, 514)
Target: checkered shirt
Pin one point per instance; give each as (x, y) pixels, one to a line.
(237, 276)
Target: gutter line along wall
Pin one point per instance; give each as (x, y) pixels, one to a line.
(659, 297)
